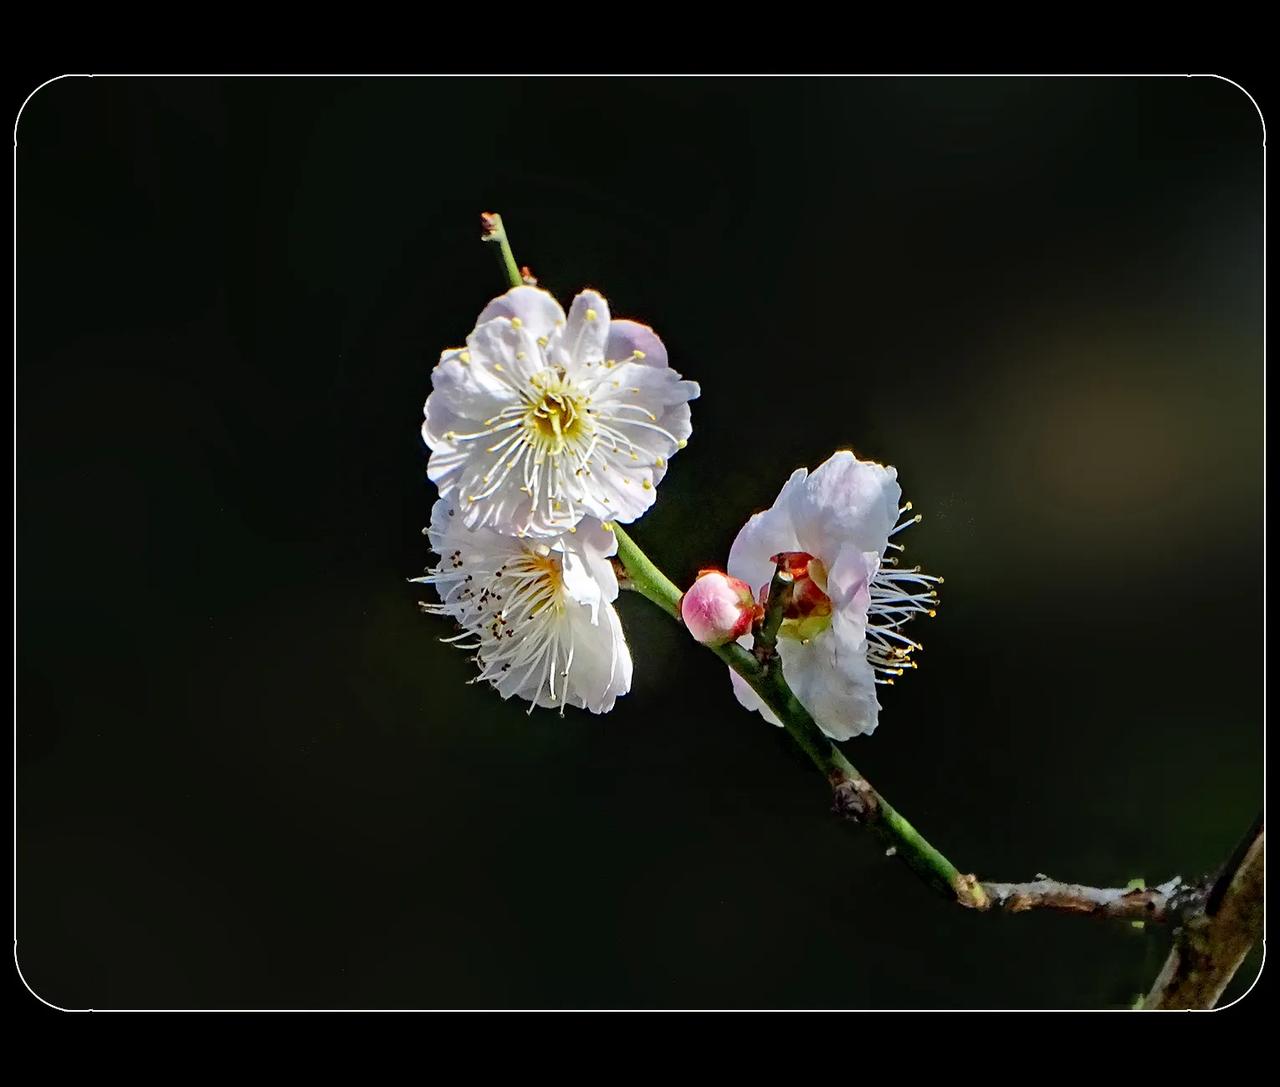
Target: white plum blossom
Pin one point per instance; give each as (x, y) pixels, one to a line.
(842, 632)
(542, 419)
(538, 612)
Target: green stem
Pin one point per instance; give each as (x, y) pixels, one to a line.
(494, 231)
(855, 796)
(646, 579)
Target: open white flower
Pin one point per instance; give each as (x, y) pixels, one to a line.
(842, 632)
(542, 420)
(538, 612)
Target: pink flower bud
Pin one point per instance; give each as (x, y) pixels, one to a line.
(718, 608)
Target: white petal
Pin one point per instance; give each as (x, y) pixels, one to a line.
(508, 355)
(467, 385)
(535, 308)
(748, 697)
(832, 679)
(846, 500)
(595, 544)
(849, 579)
(601, 664)
(582, 339)
(766, 534)
(579, 585)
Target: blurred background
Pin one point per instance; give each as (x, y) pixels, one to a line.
(249, 776)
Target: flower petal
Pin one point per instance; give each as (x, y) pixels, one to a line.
(465, 383)
(595, 544)
(849, 580)
(536, 309)
(582, 339)
(766, 534)
(846, 500)
(634, 341)
(747, 697)
(832, 679)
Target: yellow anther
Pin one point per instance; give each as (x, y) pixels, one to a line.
(907, 506)
(932, 614)
(497, 366)
(659, 463)
(941, 580)
(521, 356)
(681, 444)
(607, 526)
(516, 322)
(543, 341)
(638, 354)
(465, 357)
(647, 485)
(592, 315)
(919, 518)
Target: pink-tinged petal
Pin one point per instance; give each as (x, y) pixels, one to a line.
(533, 307)
(634, 341)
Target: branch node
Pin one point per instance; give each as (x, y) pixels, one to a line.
(855, 799)
(969, 892)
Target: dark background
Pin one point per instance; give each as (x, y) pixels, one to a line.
(249, 776)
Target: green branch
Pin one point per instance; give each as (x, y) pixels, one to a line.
(494, 231)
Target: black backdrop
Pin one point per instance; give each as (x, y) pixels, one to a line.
(249, 775)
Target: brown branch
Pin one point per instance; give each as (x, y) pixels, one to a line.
(1213, 940)
(1166, 902)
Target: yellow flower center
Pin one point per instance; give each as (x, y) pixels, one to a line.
(559, 415)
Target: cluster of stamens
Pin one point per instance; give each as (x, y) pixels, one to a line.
(897, 597)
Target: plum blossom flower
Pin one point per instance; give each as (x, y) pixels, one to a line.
(841, 634)
(542, 420)
(537, 611)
